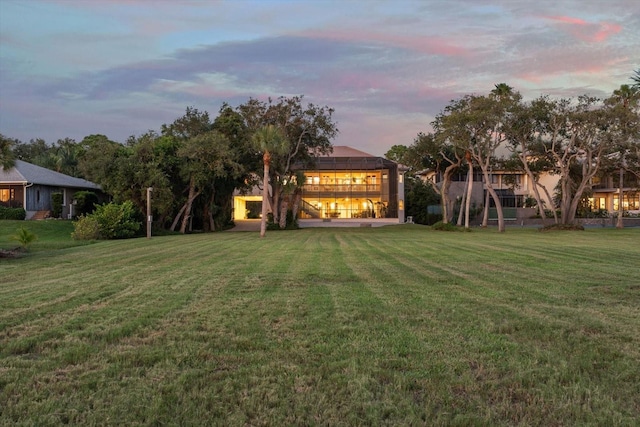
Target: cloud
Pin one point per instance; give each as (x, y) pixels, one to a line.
(123, 67)
(585, 31)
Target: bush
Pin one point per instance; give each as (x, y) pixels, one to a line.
(56, 203)
(12, 213)
(110, 221)
(86, 228)
(86, 202)
(117, 221)
(441, 226)
(562, 227)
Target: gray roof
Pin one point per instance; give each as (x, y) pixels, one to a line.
(345, 151)
(26, 173)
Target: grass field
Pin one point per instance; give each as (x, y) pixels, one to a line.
(396, 325)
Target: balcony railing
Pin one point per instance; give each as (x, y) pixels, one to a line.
(342, 188)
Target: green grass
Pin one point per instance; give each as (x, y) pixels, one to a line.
(51, 234)
(353, 326)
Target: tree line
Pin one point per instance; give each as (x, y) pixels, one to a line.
(196, 163)
(575, 139)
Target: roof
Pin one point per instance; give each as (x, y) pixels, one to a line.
(27, 173)
(344, 151)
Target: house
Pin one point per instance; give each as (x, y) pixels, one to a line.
(514, 188)
(347, 185)
(31, 187)
(606, 193)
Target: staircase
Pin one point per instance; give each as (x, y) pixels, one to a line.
(311, 210)
(41, 215)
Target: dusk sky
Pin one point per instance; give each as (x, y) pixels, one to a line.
(70, 68)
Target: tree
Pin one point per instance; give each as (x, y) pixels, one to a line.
(475, 125)
(635, 78)
(575, 136)
(7, 157)
(308, 130)
(523, 128)
(31, 151)
(204, 155)
(435, 152)
(100, 162)
(397, 153)
(625, 99)
(269, 140)
(419, 196)
(231, 124)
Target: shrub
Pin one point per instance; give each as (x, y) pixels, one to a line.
(562, 227)
(110, 221)
(86, 202)
(86, 228)
(117, 221)
(441, 226)
(12, 213)
(56, 203)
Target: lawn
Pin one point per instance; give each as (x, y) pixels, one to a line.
(398, 325)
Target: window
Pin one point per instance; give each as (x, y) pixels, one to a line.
(5, 195)
(400, 178)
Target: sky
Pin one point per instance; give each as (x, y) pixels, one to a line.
(72, 68)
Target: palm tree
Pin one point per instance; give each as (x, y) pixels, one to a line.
(502, 90)
(270, 140)
(636, 79)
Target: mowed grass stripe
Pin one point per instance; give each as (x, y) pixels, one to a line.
(399, 325)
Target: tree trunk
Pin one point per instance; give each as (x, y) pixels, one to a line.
(297, 198)
(469, 191)
(207, 215)
(447, 212)
(496, 199)
(553, 207)
(177, 218)
(284, 205)
(620, 222)
(275, 201)
(485, 210)
(462, 201)
(536, 194)
(266, 158)
(187, 212)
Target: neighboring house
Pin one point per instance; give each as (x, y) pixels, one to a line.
(606, 193)
(30, 187)
(514, 188)
(346, 184)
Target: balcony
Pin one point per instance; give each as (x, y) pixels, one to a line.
(342, 188)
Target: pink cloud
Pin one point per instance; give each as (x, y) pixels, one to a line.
(586, 31)
(428, 45)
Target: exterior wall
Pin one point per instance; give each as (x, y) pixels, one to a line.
(358, 187)
(39, 197)
(344, 188)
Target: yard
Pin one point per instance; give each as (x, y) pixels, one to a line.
(398, 325)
